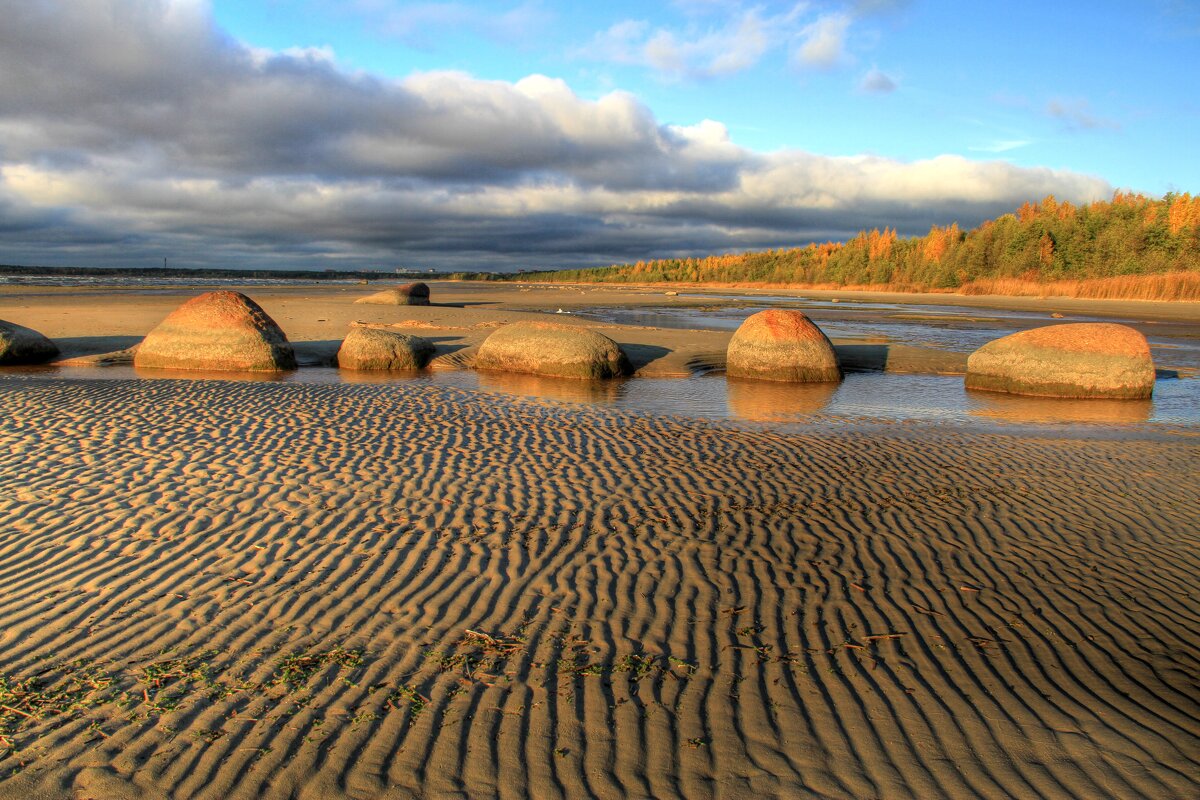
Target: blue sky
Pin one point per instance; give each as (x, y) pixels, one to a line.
(1105, 88)
(502, 135)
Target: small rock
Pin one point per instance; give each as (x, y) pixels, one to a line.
(375, 349)
(411, 294)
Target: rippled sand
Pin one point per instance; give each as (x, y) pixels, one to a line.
(323, 591)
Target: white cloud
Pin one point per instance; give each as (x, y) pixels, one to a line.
(740, 41)
(738, 44)
(324, 53)
(823, 42)
(715, 39)
(876, 81)
(1077, 114)
(1000, 146)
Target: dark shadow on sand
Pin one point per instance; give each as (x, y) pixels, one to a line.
(447, 344)
(77, 346)
(317, 353)
(862, 357)
(641, 355)
(895, 357)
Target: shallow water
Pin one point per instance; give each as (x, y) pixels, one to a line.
(887, 397)
(956, 328)
(876, 396)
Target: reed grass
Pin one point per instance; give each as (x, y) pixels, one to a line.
(1169, 286)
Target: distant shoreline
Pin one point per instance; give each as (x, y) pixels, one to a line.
(1144, 289)
(205, 272)
(1103, 306)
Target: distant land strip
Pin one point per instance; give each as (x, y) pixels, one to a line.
(212, 272)
(1132, 247)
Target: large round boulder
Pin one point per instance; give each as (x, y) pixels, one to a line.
(21, 345)
(411, 294)
(781, 345)
(1085, 359)
(549, 348)
(375, 349)
(220, 331)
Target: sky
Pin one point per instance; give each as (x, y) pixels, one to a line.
(516, 134)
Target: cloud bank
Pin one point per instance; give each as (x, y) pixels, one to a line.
(130, 131)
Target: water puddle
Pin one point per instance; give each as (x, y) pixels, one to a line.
(874, 396)
(1174, 345)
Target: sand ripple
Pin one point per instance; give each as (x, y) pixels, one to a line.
(235, 589)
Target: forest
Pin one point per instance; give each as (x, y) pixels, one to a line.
(1131, 246)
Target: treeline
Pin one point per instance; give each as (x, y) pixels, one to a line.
(1105, 244)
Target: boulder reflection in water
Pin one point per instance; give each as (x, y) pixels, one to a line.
(772, 401)
(562, 390)
(1015, 408)
(380, 376)
(252, 376)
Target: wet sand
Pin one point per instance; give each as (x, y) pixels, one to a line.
(235, 589)
(284, 590)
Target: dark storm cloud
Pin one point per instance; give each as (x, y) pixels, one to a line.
(132, 130)
(113, 79)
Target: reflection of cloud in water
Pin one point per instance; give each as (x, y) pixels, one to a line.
(1016, 408)
(563, 390)
(764, 401)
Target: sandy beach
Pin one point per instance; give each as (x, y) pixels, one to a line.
(218, 588)
(537, 400)
(91, 321)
